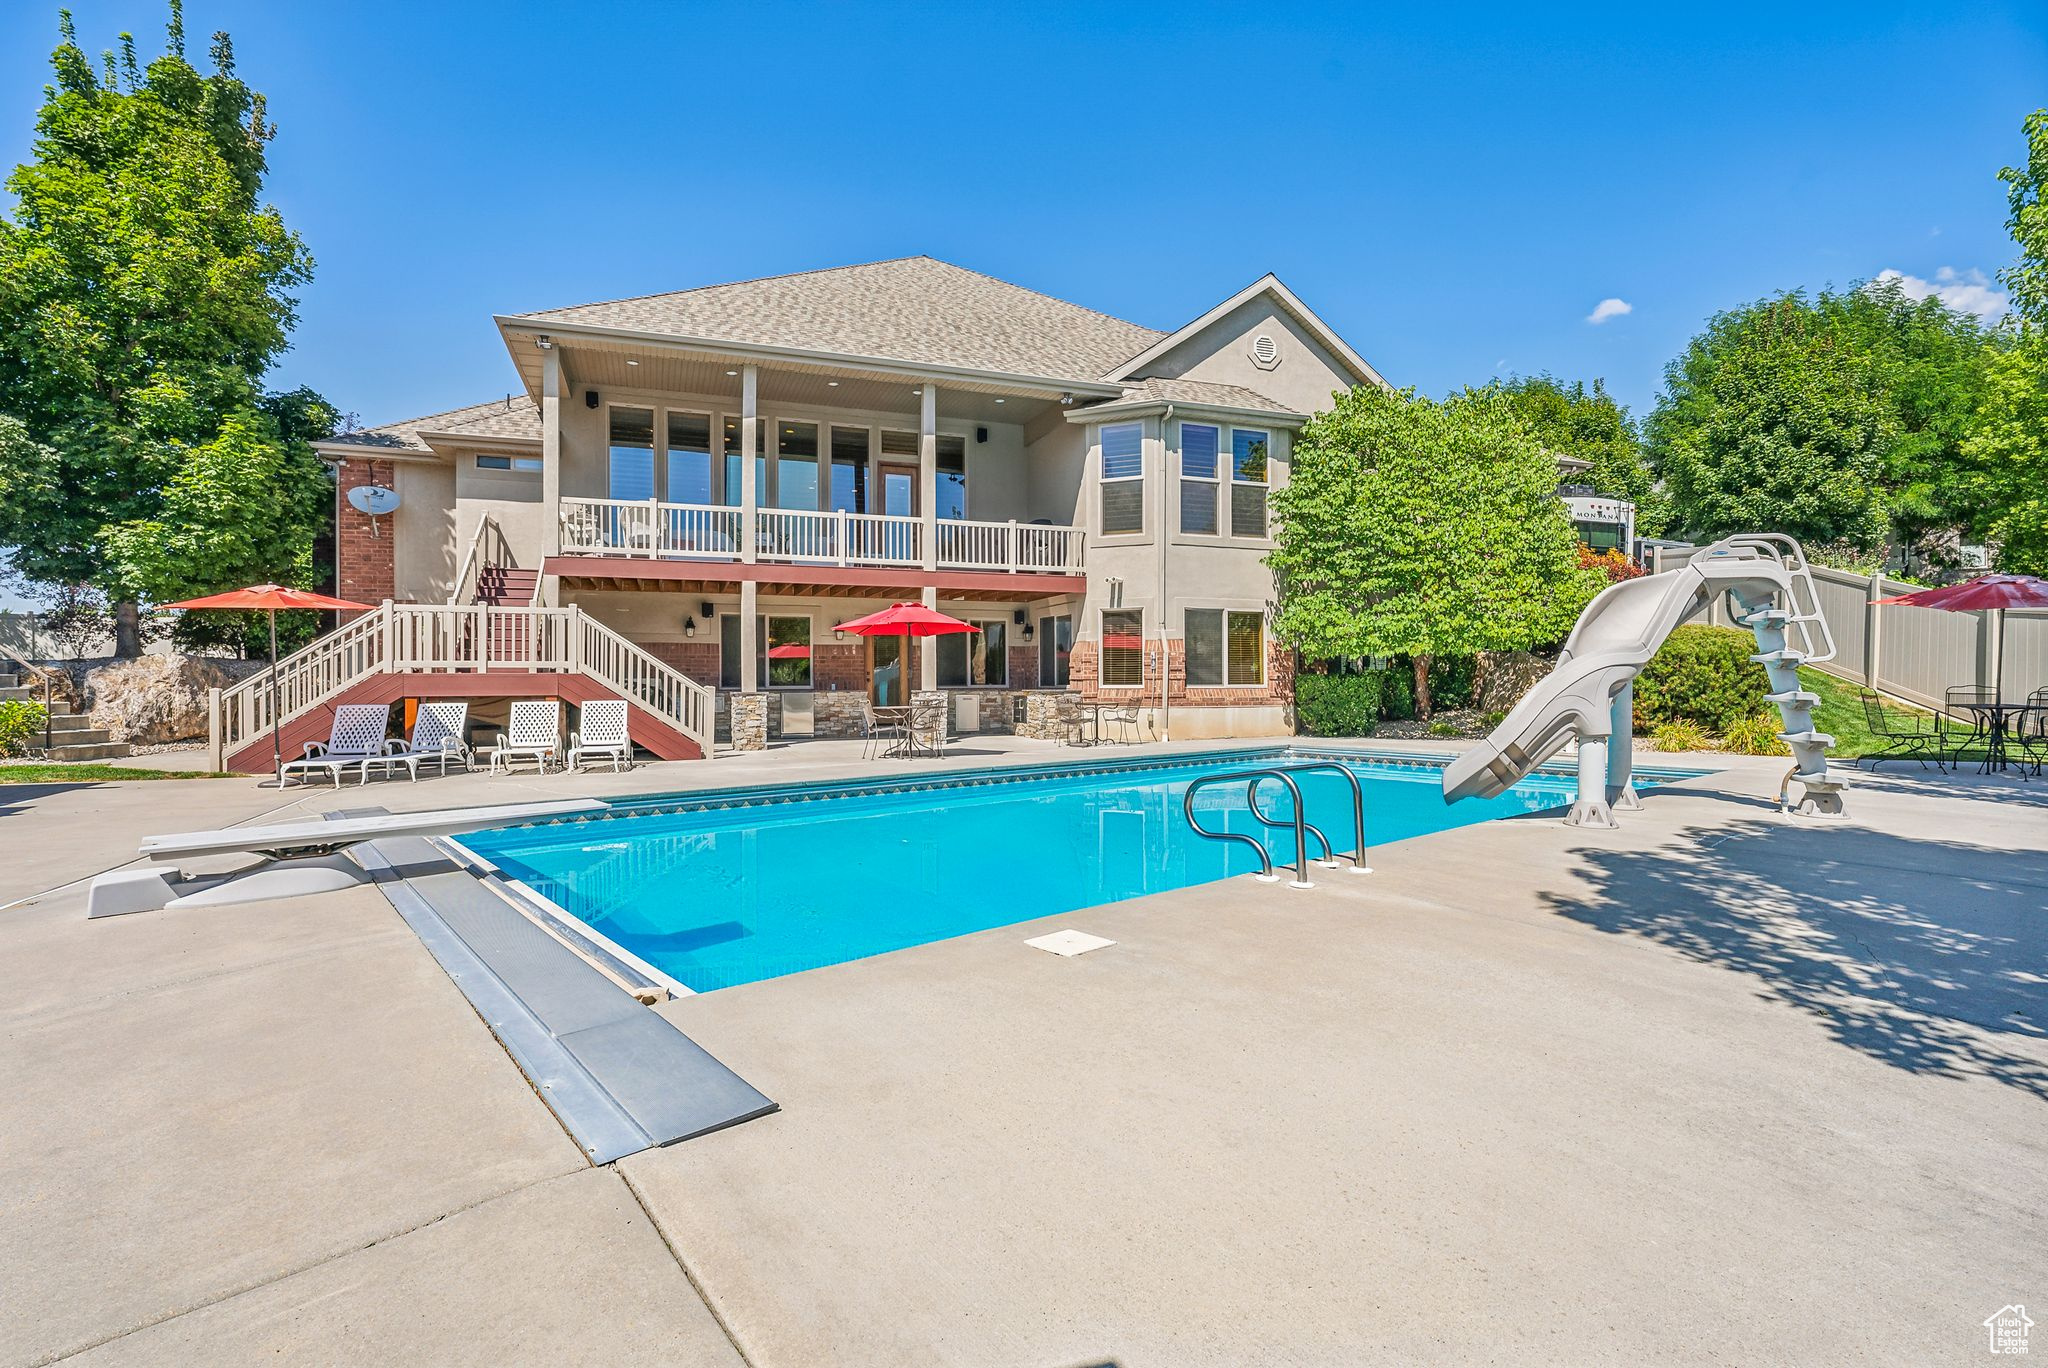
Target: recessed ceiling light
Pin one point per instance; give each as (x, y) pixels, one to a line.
(1002, 401)
(833, 384)
(631, 362)
(917, 391)
(732, 372)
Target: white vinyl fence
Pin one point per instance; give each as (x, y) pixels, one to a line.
(1914, 653)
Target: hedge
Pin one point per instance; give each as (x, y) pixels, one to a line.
(1703, 675)
(1337, 705)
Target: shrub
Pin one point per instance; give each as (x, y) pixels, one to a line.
(1444, 729)
(1756, 735)
(1703, 675)
(1337, 705)
(1679, 736)
(1488, 721)
(20, 723)
(1397, 693)
(1450, 681)
(1613, 564)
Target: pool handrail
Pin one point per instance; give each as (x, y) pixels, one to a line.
(1358, 864)
(1187, 807)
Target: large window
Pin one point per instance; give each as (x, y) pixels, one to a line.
(689, 458)
(1055, 649)
(1248, 482)
(950, 494)
(631, 463)
(1225, 648)
(782, 652)
(732, 436)
(1123, 648)
(850, 470)
(1123, 478)
(1200, 446)
(796, 465)
(975, 659)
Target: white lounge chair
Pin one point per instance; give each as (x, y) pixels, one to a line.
(439, 732)
(356, 735)
(602, 732)
(535, 734)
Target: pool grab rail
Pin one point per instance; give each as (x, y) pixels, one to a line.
(1300, 823)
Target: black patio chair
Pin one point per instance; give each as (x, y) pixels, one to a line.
(1908, 736)
(2030, 731)
(1961, 726)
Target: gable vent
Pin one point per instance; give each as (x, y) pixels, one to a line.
(1265, 352)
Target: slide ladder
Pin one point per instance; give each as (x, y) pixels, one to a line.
(1588, 698)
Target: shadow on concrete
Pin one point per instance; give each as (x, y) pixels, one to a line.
(1917, 953)
(2010, 787)
(16, 796)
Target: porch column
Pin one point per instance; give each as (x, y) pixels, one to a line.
(750, 631)
(928, 474)
(750, 496)
(928, 657)
(550, 463)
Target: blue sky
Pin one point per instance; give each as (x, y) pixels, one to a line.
(1455, 194)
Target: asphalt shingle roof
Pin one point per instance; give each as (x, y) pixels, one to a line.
(914, 309)
(1200, 392)
(516, 416)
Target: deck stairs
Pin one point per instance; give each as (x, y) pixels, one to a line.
(505, 586)
(72, 735)
(477, 651)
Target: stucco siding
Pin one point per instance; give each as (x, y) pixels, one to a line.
(1303, 379)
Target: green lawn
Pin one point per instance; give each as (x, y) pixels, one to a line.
(1840, 714)
(80, 773)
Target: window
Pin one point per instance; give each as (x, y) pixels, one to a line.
(1123, 478)
(796, 465)
(1055, 647)
(783, 646)
(951, 490)
(689, 458)
(631, 462)
(850, 470)
(1225, 648)
(732, 461)
(508, 463)
(975, 659)
(1123, 648)
(1199, 477)
(1247, 483)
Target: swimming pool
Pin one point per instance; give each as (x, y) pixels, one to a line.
(729, 887)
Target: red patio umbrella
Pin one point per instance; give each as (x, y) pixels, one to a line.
(906, 620)
(270, 598)
(1984, 594)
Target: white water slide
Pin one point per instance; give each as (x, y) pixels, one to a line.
(1590, 697)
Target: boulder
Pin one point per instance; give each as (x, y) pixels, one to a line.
(153, 700)
(1509, 675)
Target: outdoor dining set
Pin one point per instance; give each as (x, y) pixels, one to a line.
(2008, 734)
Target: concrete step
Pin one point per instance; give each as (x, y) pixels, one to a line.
(16, 693)
(101, 750)
(8, 681)
(69, 721)
(79, 736)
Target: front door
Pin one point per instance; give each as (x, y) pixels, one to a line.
(885, 671)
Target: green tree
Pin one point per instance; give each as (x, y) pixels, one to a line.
(144, 292)
(1421, 528)
(2005, 459)
(1575, 420)
(1771, 421)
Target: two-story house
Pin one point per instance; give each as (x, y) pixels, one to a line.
(720, 475)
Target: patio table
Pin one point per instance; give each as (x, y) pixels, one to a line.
(896, 716)
(1997, 721)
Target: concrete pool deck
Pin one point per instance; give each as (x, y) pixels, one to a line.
(1716, 1087)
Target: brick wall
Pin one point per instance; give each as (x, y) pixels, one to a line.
(1024, 667)
(1278, 688)
(696, 659)
(840, 666)
(365, 566)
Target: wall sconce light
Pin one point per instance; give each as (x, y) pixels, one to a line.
(1027, 631)
(838, 635)
(689, 626)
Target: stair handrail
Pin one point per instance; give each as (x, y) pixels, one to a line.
(679, 700)
(305, 678)
(49, 678)
(472, 561)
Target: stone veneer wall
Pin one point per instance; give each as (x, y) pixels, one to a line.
(749, 713)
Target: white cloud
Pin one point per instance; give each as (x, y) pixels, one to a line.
(1609, 308)
(1968, 291)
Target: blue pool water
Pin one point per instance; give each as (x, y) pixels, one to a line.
(724, 889)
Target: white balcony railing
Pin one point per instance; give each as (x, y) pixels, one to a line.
(669, 531)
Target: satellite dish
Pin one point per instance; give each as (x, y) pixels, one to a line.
(374, 500)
